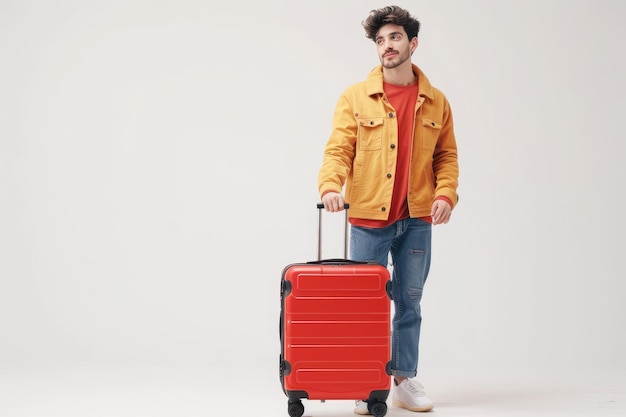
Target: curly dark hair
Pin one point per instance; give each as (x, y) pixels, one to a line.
(390, 14)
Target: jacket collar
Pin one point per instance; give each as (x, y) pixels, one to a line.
(374, 82)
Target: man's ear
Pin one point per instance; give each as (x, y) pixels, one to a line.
(414, 43)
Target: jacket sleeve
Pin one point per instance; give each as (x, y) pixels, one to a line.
(340, 148)
(445, 159)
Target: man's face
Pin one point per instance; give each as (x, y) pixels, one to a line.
(394, 46)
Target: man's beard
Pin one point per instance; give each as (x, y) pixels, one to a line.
(396, 61)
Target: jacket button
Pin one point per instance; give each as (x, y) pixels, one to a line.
(432, 123)
(392, 146)
(390, 115)
(371, 123)
(384, 209)
(388, 175)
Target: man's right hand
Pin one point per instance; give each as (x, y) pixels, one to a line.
(333, 201)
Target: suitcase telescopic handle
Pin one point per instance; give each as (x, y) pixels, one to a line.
(320, 207)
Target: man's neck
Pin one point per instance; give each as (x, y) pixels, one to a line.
(402, 75)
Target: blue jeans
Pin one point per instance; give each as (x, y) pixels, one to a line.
(409, 243)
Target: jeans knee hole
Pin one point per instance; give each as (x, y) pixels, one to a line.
(414, 293)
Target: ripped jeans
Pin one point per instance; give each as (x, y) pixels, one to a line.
(409, 243)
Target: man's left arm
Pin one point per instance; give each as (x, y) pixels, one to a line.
(445, 162)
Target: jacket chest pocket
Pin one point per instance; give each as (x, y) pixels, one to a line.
(430, 133)
(370, 134)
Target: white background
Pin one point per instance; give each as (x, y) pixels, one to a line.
(158, 167)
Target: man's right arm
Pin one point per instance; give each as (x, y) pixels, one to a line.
(338, 156)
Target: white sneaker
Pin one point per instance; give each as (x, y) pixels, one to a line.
(411, 395)
(361, 408)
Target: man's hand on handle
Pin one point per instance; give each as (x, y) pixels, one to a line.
(333, 201)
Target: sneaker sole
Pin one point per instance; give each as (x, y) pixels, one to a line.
(400, 404)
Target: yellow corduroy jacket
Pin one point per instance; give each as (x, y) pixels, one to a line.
(362, 150)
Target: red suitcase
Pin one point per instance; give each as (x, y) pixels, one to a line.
(335, 331)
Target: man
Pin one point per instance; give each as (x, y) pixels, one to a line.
(393, 147)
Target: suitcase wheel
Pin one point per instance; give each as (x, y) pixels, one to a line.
(377, 408)
(295, 408)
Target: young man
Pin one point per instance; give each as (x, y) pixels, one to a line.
(393, 147)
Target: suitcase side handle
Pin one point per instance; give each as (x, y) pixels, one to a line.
(320, 207)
